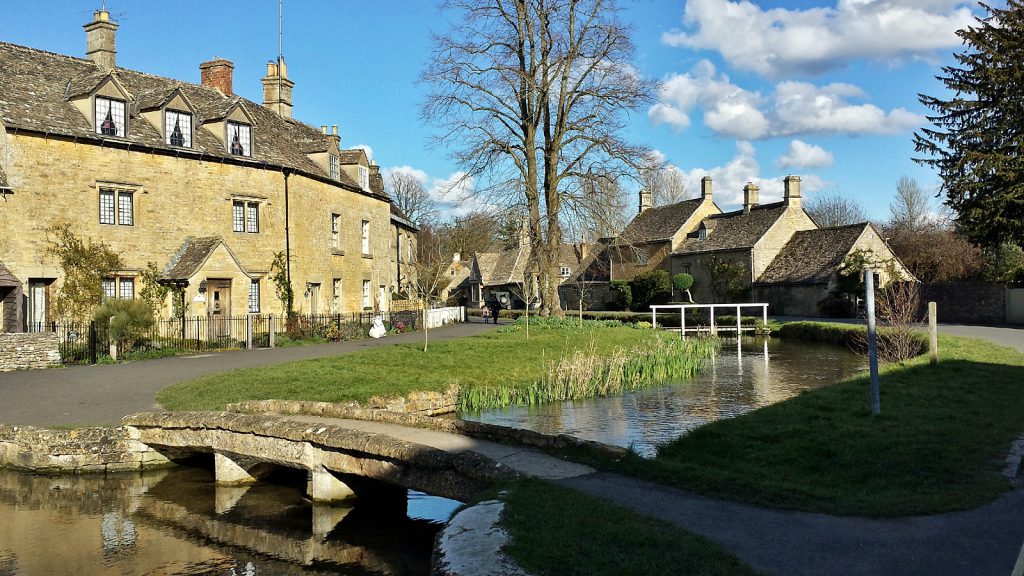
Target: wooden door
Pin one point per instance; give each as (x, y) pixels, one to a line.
(220, 308)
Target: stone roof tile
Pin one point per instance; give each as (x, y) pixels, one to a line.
(734, 230)
(190, 257)
(658, 224)
(812, 256)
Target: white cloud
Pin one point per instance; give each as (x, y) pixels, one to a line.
(414, 172)
(369, 151)
(728, 180)
(805, 156)
(791, 109)
(778, 41)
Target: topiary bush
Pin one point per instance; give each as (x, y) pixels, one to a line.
(683, 282)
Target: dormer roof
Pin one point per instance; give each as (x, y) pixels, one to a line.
(90, 82)
(157, 99)
(354, 156)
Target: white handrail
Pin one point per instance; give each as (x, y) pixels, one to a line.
(682, 308)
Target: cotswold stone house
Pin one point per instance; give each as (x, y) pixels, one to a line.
(207, 185)
(772, 253)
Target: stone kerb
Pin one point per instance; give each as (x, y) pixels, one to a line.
(297, 444)
(28, 350)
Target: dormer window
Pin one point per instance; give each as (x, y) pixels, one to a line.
(239, 139)
(334, 163)
(364, 177)
(110, 117)
(702, 233)
(178, 127)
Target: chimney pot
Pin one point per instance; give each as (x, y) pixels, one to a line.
(218, 73)
(323, 129)
(277, 89)
(334, 129)
(749, 197)
(99, 40)
(271, 68)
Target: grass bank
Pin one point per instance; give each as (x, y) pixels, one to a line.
(505, 360)
(938, 445)
(557, 531)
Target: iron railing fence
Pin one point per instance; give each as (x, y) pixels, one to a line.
(89, 342)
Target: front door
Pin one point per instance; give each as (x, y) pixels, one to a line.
(36, 305)
(220, 307)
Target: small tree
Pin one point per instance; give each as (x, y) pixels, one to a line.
(153, 293)
(84, 264)
(431, 266)
(129, 321)
(278, 276)
(683, 282)
(649, 288)
(624, 298)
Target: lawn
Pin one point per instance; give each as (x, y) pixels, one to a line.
(557, 531)
(505, 358)
(938, 445)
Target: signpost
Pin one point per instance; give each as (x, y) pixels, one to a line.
(869, 288)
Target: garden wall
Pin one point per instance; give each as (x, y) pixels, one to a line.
(966, 302)
(28, 350)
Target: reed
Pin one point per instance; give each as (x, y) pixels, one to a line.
(584, 373)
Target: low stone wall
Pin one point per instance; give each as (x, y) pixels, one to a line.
(28, 350)
(966, 302)
(480, 430)
(423, 403)
(81, 451)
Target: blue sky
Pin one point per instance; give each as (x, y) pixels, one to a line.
(750, 91)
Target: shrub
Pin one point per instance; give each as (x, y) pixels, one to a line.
(650, 288)
(624, 294)
(683, 282)
(129, 321)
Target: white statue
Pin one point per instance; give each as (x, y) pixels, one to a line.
(378, 330)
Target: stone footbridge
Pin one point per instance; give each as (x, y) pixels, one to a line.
(343, 457)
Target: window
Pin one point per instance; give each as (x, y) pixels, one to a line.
(245, 216)
(408, 249)
(367, 303)
(336, 231)
(702, 233)
(564, 271)
(178, 128)
(254, 297)
(239, 139)
(313, 292)
(685, 269)
(364, 177)
(366, 237)
(335, 166)
(125, 211)
(110, 119)
(109, 288)
(399, 251)
(336, 296)
(126, 289)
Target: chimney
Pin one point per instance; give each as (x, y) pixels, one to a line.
(333, 136)
(645, 201)
(99, 40)
(791, 196)
(457, 257)
(277, 89)
(705, 188)
(217, 73)
(749, 197)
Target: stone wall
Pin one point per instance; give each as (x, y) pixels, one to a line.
(966, 302)
(26, 351)
(81, 451)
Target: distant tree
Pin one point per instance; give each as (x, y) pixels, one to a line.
(411, 198)
(831, 208)
(469, 234)
(603, 210)
(935, 253)
(431, 265)
(976, 142)
(664, 181)
(911, 209)
(85, 264)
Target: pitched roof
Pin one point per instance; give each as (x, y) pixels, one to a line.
(658, 224)
(399, 217)
(734, 230)
(352, 155)
(191, 257)
(37, 86)
(812, 256)
(509, 266)
(6, 278)
(595, 267)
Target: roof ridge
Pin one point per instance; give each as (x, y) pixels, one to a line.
(47, 52)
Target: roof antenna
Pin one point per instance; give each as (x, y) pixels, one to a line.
(280, 51)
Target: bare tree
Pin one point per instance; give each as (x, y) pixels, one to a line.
(911, 207)
(664, 181)
(532, 93)
(469, 234)
(411, 198)
(604, 208)
(431, 266)
(833, 209)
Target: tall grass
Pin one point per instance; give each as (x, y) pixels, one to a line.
(584, 373)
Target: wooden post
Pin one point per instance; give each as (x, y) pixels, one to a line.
(933, 333)
(869, 285)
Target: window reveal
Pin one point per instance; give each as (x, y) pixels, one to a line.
(178, 127)
(239, 139)
(110, 117)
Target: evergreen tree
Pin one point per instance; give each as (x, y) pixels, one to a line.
(978, 134)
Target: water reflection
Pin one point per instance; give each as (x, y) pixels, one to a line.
(747, 374)
(178, 522)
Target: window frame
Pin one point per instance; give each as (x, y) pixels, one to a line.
(112, 214)
(109, 287)
(335, 231)
(365, 231)
(336, 288)
(187, 135)
(564, 271)
(98, 128)
(228, 125)
(253, 299)
(367, 294)
(123, 281)
(364, 178)
(334, 166)
(245, 216)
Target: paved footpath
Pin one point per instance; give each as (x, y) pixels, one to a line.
(101, 395)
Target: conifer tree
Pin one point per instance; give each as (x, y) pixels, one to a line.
(977, 140)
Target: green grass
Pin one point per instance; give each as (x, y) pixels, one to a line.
(938, 445)
(501, 360)
(557, 531)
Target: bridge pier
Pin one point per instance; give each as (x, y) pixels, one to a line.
(225, 497)
(233, 471)
(325, 487)
(327, 517)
